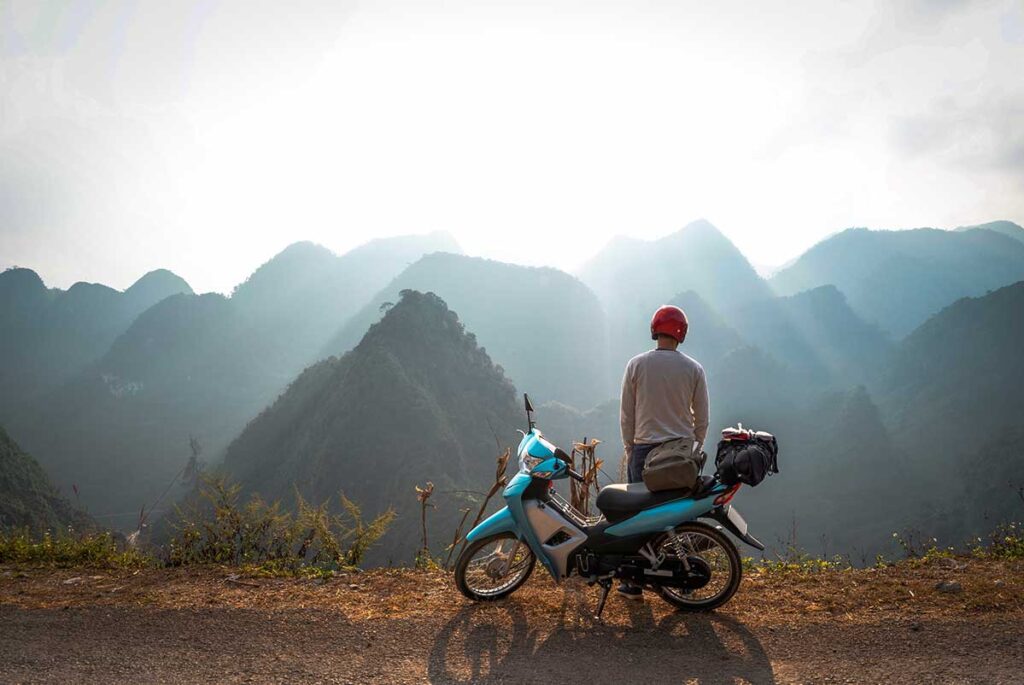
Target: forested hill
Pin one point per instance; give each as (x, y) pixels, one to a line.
(954, 396)
(49, 335)
(1007, 228)
(200, 366)
(417, 400)
(632, 278)
(897, 279)
(28, 498)
(543, 326)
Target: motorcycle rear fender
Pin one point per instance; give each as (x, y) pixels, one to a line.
(720, 516)
(500, 521)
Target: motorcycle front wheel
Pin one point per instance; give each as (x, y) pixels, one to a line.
(493, 567)
(709, 547)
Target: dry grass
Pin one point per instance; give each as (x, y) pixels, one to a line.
(903, 591)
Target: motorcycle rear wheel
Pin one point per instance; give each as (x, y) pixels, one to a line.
(484, 572)
(714, 549)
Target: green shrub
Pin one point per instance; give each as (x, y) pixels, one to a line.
(69, 549)
(1005, 542)
(220, 530)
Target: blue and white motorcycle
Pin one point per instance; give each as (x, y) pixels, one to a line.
(671, 542)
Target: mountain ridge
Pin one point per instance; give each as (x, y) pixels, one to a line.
(383, 417)
(532, 319)
(930, 268)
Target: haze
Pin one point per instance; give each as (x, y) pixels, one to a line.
(204, 137)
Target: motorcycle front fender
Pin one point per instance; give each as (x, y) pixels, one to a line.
(500, 521)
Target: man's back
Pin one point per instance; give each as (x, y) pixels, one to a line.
(664, 396)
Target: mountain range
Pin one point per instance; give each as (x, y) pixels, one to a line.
(200, 366)
(886, 362)
(928, 269)
(50, 334)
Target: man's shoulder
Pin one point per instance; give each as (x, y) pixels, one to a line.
(676, 357)
(638, 358)
(690, 361)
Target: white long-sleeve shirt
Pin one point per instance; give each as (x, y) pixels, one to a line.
(664, 396)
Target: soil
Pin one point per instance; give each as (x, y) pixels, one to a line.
(891, 625)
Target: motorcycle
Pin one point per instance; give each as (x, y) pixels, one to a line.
(671, 542)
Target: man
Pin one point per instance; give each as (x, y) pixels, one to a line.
(664, 397)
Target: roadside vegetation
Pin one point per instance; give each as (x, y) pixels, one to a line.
(1004, 543)
(217, 529)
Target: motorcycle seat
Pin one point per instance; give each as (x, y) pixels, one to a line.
(621, 500)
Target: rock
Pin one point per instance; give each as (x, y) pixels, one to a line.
(353, 586)
(999, 582)
(947, 562)
(951, 587)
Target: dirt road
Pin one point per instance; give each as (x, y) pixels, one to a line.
(399, 626)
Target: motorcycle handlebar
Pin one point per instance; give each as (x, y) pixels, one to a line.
(575, 476)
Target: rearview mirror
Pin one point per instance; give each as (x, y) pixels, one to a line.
(529, 411)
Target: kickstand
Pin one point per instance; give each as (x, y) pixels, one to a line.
(606, 587)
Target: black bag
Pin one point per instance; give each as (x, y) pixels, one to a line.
(746, 456)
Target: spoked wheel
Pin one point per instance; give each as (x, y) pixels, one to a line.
(711, 555)
(493, 567)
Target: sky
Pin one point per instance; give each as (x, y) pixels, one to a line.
(206, 136)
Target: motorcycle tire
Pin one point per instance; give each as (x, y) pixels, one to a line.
(467, 555)
(672, 596)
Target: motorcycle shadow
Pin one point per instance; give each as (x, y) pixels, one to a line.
(506, 642)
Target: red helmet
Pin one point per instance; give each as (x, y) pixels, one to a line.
(669, 320)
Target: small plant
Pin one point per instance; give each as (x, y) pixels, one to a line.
(425, 562)
(919, 548)
(1006, 542)
(68, 548)
(423, 495)
(500, 481)
(588, 466)
(257, 534)
(795, 560)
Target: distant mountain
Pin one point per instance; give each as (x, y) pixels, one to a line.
(952, 398)
(710, 337)
(697, 258)
(632, 278)
(387, 415)
(200, 365)
(817, 335)
(154, 287)
(897, 279)
(49, 335)
(960, 375)
(1007, 228)
(543, 326)
(305, 293)
(28, 499)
